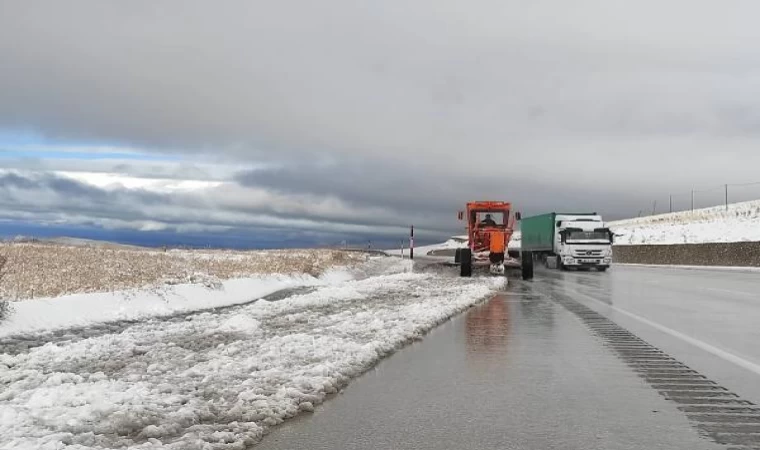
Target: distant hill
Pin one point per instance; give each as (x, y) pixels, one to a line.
(73, 242)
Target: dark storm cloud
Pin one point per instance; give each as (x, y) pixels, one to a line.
(394, 186)
(400, 110)
(47, 192)
(433, 198)
(51, 198)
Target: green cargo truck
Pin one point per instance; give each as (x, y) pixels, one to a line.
(565, 240)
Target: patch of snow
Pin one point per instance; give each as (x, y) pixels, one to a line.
(739, 222)
(218, 380)
(78, 310)
(516, 241)
(84, 309)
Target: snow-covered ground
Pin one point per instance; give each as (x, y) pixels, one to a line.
(217, 379)
(80, 310)
(740, 222)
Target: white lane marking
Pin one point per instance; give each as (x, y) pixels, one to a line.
(729, 291)
(719, 352)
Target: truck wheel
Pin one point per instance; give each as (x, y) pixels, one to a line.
(602, 269)
(457, 256)
(527, 265)
(465, 263)
(561, 265)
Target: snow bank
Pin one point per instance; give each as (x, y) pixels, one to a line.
(739, 223)
(80, 310)
(218, 380)
(85, 309)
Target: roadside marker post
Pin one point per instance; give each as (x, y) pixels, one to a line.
(411, 243)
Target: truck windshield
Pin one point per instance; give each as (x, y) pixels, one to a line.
(582, 237)
(490, 218)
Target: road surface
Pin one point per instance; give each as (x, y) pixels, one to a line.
(637, 358)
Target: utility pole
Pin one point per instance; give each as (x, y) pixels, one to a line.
(692, 200)
(654, 207)
(726, 197)
(671, 203)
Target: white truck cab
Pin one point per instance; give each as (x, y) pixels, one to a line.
(582, 241)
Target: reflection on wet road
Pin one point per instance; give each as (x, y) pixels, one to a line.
(488, 328)
(533, 368)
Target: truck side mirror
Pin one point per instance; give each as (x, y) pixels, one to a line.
(518, 216)
(460, 215)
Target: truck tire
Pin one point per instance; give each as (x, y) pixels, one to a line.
(457, 256)
(526, 261)
(561, 265)
(602, 268)
(465, 263)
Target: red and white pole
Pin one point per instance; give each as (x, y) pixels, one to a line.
(411, 243)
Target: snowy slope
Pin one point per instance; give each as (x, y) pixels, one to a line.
(217, 380)
(740, 222)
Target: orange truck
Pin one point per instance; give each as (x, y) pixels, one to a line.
(489, 229)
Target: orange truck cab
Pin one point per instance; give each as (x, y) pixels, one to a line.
(489, 229)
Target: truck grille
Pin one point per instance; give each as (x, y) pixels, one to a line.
(588, 253)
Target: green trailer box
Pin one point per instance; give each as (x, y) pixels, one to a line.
(538, 233)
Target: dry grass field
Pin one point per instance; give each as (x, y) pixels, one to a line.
(36, 270)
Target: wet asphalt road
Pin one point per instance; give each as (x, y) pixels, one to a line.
(635, 358)
(708, 319)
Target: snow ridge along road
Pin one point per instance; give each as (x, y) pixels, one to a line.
(219, 380)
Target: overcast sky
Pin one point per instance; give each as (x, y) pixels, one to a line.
(356, 118)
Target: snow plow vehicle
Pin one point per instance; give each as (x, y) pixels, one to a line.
(489, 228)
